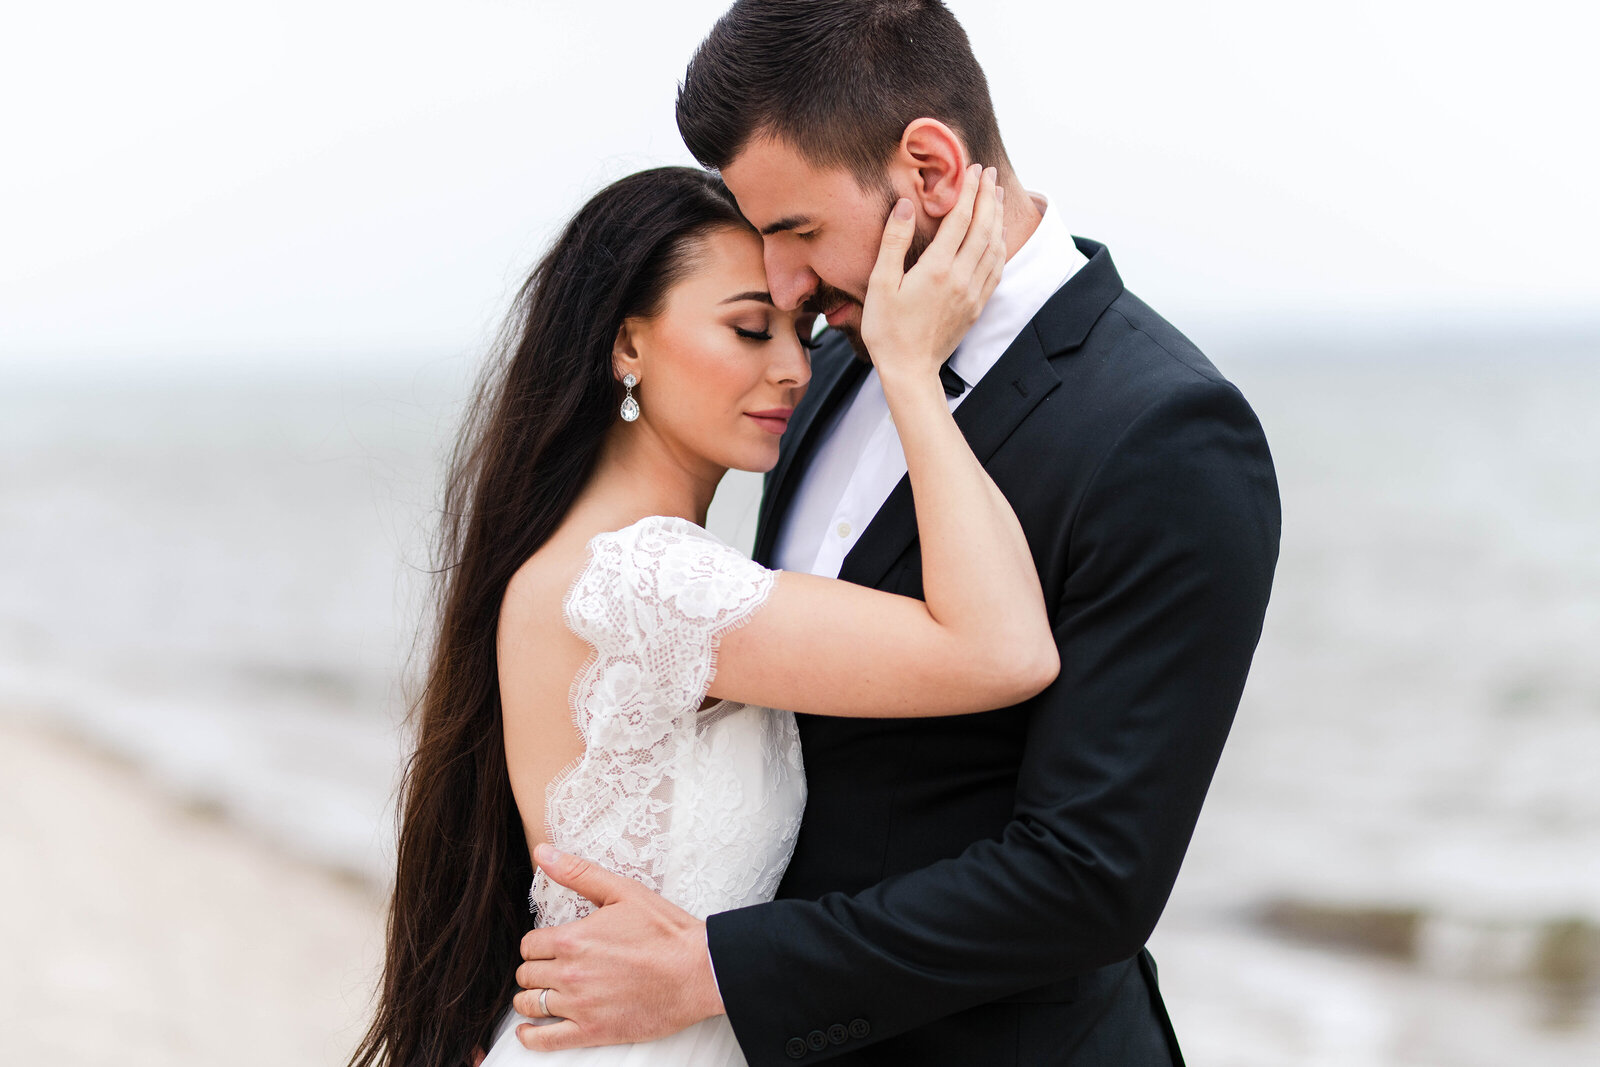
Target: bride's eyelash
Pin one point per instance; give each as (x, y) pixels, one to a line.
(766, 335)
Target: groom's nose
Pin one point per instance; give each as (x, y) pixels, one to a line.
(789, 280)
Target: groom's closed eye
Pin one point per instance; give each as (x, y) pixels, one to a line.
(788, 222)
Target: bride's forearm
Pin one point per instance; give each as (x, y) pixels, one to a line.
(978, 574)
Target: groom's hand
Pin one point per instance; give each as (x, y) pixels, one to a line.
(636, 969)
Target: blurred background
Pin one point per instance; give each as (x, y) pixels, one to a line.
(251, 256)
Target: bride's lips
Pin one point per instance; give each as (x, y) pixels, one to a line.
(773, 420)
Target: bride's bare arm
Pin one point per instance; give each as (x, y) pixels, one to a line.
(982, 638)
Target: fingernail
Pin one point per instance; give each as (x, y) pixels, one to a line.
(546, 855)
(902, 209)
(1000, 193)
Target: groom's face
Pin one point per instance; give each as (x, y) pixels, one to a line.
(819, 228)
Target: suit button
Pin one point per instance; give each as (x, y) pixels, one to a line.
(860, 1028)
(795, 1047)
(837, 1034)
(817, 1040)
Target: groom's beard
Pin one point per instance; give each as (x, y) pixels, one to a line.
(826, 296)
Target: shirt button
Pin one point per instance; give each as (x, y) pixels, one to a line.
(860, 1028)
(817, 1040)
(837, 1034)
(843, 529)
(796, 1048)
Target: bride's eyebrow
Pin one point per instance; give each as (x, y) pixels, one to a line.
(760, 297)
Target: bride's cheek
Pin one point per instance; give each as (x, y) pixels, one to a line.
(725, 382)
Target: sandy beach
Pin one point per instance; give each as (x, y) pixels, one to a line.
(138, 932)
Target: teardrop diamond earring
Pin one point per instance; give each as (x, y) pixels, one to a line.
(630, 406)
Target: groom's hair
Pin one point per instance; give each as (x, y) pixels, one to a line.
(838, 80)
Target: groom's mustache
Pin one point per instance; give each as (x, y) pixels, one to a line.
(825, 298)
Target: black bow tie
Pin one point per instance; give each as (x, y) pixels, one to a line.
(953, 385)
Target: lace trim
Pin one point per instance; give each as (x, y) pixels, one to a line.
(582, 718)
(590, 664)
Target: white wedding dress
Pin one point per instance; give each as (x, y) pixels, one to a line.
(701, 806)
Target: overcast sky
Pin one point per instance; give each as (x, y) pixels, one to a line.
(326, 178)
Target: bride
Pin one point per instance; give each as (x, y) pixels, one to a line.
(604, 669)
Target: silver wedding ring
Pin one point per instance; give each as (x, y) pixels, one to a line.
(544, 1005)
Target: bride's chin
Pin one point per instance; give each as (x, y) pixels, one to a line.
(758, 467)
(758, 461)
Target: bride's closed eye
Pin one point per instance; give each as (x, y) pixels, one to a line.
(766, 335)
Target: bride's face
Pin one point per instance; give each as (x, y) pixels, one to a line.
(720, 369)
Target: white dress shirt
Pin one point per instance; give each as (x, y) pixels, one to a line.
(859, 460)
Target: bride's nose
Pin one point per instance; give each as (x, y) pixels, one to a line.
(792, 366)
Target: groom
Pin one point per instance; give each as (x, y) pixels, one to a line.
(976, 889)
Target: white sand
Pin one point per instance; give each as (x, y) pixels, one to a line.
(134, 932)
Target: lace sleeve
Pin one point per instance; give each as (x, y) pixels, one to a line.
(652, 602)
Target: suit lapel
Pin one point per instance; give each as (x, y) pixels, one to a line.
(835, 374)
(1012, 388)
(1008, 393)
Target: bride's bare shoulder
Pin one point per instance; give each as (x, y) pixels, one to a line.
(537, 659)
(535, 592)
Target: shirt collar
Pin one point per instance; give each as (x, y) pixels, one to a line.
(1041, 266)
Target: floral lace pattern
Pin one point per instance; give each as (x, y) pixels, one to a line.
(700, 806)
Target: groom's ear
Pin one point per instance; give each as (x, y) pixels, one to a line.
(928, 165)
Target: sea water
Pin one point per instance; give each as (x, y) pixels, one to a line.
(221, 573)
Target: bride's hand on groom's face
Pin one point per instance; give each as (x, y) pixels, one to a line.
(912, 320)
(636, 969)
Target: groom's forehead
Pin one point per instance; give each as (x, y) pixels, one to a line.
(769, 174)
(779, 189)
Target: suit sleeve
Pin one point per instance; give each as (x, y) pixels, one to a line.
(1169, 565)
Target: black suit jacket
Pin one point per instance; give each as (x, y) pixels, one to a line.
(979, 888)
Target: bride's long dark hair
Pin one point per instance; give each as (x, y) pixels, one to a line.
(529, 443)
